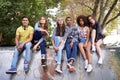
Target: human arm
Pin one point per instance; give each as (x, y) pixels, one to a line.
(87, 37)
(38, 43)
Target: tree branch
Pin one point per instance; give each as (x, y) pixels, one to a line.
(81, 3)
(95, 7)
(109, 12)
(103, 6)
(113, 18)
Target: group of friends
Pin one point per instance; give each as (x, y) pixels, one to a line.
(81, 39)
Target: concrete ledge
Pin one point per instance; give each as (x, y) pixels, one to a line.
(37, 72)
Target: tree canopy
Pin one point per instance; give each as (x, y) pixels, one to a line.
(104, 11)
(11, 11)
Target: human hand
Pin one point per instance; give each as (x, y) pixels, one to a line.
(71, 44)
(20, 47)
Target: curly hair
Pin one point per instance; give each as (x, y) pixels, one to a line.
(84, 18)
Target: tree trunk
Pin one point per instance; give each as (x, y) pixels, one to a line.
(109, 12)
(102, 10)
(96, 4)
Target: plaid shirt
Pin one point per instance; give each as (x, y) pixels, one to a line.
(72, 33)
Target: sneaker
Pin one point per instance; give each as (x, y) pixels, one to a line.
(86, 64)
(100, 61)
(26, 67)
(93, 48)
(90, 68)
(58, 69)
(71, 68)
(11, 71)
(43, 61)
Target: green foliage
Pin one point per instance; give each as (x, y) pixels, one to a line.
(11, 12)
(111, 26)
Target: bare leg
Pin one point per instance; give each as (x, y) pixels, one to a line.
(88, 48)
(81, 48)
(89, 52)
(98, 43)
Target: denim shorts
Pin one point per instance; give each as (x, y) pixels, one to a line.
(82, 40)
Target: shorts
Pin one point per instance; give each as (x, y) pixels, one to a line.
(82, 40)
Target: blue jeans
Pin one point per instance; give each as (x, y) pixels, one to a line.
(71, 52)
(43, 48)
(57, 41)
(38, 37)
(17, 53)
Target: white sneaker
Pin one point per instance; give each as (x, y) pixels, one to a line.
(86, 64)
(58, 69)
(93, 48)
(90, 68)
(100, 61)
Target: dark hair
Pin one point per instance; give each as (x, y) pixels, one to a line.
(58, 29)
(88, 22)
(24, 17)
(91, 17)
(83, 18)
(46, 23)
(67, 18)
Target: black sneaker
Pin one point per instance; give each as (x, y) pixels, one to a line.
(11, 71)
(26, 67)
(43, 62)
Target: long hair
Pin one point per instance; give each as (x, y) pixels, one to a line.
(58, 31)
(89, 23)
(46, 23)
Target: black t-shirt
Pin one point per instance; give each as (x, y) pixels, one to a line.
(98, 29)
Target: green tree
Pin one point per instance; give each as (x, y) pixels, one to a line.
(11, 12)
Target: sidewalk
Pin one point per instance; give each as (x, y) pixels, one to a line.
(103, 72)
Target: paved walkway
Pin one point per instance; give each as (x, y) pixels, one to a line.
(37, 72)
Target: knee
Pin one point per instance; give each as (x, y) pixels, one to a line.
(80, 46)
(28, 45)
(97, 45)
(87, 49)
(57, 37)
(43, 43)
(60, 50)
